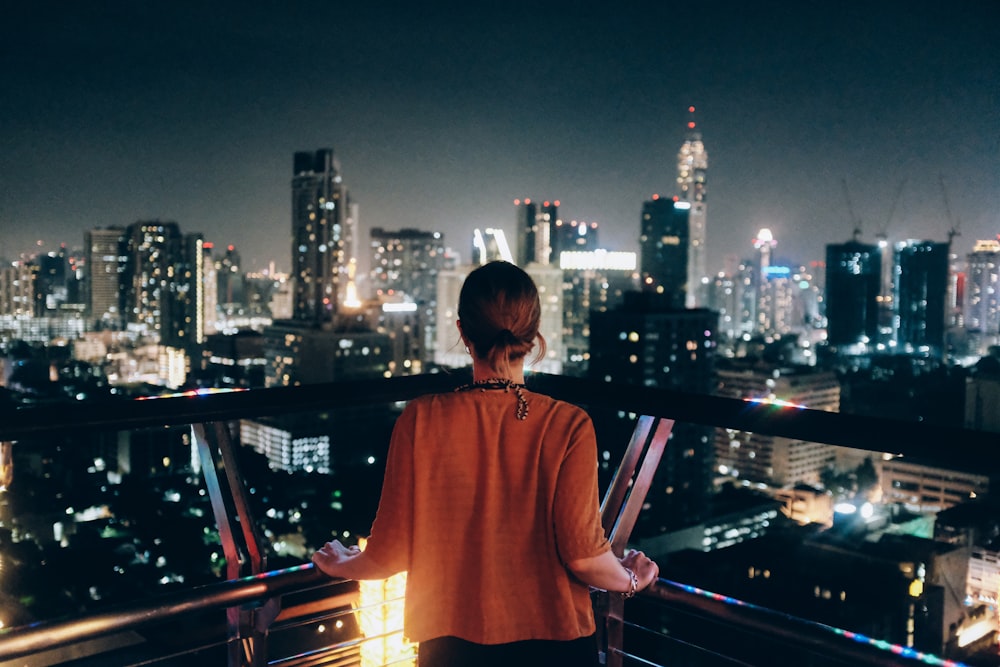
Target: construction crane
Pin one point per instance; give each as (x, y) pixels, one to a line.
(881, 236)
(855, 220)
(955, 223)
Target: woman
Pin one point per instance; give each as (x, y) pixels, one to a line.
(490, 502)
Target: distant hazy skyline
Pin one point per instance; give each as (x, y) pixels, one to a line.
(443, 114)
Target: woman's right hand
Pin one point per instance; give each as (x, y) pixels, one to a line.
(646, 570)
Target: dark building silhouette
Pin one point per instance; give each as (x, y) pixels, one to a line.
(920, 295)
(663, 249)
(853, 286)
(573, 236)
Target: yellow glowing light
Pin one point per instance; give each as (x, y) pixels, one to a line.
(380, 615)
(916, 588)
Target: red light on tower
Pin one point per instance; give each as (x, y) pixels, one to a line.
(545, 204)
(527, 201)
(655, 197)
(691, 125)
(517, 202)
(690, 109)
(557, 202)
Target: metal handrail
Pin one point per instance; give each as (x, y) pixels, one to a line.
(254, 590)
(920, 441)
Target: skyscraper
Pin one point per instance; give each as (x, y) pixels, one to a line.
(406, 263)
(920, 296)
(321, 235)
(663, 248)
(692, 166)
(982, 295)
(104, 265)
(535, 224)
(573, 236)
(592, 280)
(853, 288)
(153, 249)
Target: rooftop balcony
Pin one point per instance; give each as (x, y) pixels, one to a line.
(254, 615)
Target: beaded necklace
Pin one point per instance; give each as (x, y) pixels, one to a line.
(505, 384)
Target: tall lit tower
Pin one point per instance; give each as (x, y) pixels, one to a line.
(692, 165)
(764, 244)
(149, 282)
(321, 236)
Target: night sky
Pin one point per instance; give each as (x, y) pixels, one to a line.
(442, 115)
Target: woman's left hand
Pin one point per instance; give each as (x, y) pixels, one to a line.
(332, 557)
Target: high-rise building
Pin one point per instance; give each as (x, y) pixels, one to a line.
(592, 280)
(774, 460)
(663, 248)
(920, 296)
(17, 290)
(189, 287)
(449, 350)
(322, 234)
(299, 355)
(692, 167)
(230, 285)
(535, 225)
(853, 290)
(105, 262)
(549, 281)
(153, 250)
(405, 266)
(50, 271)
(210, 284)
(982, 295)
(573, 236)
(650, 342)
(291, 443)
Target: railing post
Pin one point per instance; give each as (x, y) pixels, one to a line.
(241, 542)
(619, 510)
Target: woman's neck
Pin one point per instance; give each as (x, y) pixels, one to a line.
(481, 371)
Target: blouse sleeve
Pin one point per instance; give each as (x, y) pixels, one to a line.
(390, 541)
(577, 512)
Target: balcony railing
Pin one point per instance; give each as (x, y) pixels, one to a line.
(244, 619)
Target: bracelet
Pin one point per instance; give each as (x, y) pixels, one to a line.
(633, 582)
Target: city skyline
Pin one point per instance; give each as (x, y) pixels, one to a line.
(441, 116)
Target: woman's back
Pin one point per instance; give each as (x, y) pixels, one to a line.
(490, 507)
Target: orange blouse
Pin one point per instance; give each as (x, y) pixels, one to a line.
(484, 510)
